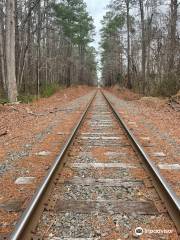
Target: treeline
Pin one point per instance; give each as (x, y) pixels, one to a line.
(44, 43)
(140, 45)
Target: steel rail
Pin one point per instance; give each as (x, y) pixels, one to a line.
(26, 216)
(167, 195)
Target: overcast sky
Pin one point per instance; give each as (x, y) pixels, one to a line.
(97, 10)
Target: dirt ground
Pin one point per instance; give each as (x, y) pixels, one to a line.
(157, 127)
(31, 136)
(156, 111)
(19, 123)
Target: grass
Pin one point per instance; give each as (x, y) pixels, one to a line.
(3, 100)
(45, 92)
(49, 90)
(27, 98)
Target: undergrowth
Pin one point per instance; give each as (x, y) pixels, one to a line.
(45, 92)
(168, 87)
(49, 90)
(27, 98)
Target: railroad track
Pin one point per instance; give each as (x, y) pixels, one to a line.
(101, 186)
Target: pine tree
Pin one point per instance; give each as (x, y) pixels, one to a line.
(111, 60)
(77, 27)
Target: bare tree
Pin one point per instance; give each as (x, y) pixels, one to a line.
(129, 84)
(2, 53)
(143, 40)
(151, 41)
(10, 51)
(172, 34)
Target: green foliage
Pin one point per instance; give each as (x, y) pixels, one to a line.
(3, 100)
(111, 46)
(45, 92)
(77, 28)
(49, 90)
(112, 24)
(75, 21)
(27, 98)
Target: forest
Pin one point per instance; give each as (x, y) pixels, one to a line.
(44, 44)
(140, 46)
(89, 116)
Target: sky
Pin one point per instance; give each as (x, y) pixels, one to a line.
(97, 9)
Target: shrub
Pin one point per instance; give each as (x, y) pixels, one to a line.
(3, 100)
(49, 90)
(26, 98)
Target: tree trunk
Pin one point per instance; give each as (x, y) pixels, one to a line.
(38, 48)
(172, 35)
(17, 45)
(143, 40)
(129, 84)
(69, 53)
(10, 51)
(82, 59)
(29, 76)
(149, 32)
(2, 59)
(47, 44)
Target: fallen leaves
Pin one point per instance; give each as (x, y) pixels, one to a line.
(3, 133)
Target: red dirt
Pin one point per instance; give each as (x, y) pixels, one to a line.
(155, 119)
(23, 128)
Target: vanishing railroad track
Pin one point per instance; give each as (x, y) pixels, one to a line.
(101, 186)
